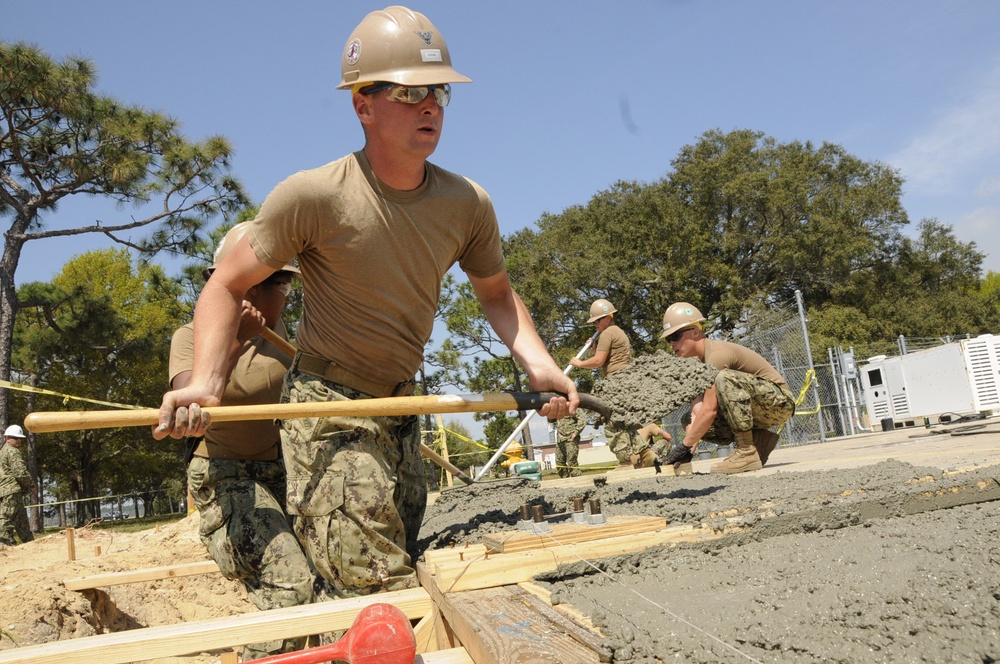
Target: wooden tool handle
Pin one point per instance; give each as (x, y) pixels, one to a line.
(282, 344)
(45, 422)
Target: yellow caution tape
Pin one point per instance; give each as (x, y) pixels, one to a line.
(7, 385)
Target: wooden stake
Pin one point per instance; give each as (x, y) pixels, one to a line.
(70, 544)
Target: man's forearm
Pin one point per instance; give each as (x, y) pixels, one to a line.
(216, 321)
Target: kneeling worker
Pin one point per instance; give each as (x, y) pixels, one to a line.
(748, 393)
(235, 472)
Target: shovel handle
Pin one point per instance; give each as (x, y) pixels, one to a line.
(46, 422)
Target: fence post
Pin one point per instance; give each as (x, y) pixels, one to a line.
(836, 386)
(815, 391)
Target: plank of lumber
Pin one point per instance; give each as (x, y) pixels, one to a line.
(567, 610)
(506, 624)
(219, 633)
(569, 533)
(452, 554)
(507, 568)
(139, 575)
(450, 656)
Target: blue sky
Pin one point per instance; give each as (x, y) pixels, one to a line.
(568, 97)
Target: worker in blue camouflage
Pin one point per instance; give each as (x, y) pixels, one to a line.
(15, 484)
(748, 398)
(235, 472)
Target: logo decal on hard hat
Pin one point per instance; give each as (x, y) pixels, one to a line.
(688, 311)
(427, 37)
(354, 52)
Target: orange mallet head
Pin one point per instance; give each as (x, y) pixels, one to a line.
(381, 634)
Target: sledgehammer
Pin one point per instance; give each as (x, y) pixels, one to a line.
(381, 634)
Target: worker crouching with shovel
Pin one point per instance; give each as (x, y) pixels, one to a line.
(747, 398)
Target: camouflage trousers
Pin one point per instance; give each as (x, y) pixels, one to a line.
(14, 520)
(246, 531)
(358, 489)
(747, 402)
(568, 430)
(624, 442)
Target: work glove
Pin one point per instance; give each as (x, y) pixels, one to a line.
(678, 453)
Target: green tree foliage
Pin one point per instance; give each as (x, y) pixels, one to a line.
(100, 331)
(738, 225)
(58, 138)
(473, 357)
(931, 289)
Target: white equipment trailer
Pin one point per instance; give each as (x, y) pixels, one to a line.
(948, 381)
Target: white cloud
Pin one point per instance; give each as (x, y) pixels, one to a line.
(985, 220)
(988, 186)
(965, 139)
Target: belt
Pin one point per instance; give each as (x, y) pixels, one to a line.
(335, 373)
(202, 449)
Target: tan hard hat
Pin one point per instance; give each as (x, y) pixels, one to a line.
(397, 45)
(228, 242)
(678, 316)
(599, 309)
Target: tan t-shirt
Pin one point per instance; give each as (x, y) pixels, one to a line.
(726, 355)
(372, 258)
(256, 379)
(619, 348)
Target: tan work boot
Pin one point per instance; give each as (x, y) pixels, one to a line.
(645, 459)
(765, 441)
(743, 459)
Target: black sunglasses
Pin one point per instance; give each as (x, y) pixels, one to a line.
(676, 335)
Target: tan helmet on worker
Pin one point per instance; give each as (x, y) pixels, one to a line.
(229, 241)
(680, 315)
(599, 309)
(397, 45)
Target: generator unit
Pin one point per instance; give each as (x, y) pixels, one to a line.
(959, 378)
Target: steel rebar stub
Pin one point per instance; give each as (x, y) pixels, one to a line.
(653, 386)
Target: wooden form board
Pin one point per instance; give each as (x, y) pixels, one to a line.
(477, 592)
(220, 633)
(509, 625)
(510, 568)
(139, 575)
(571, 533)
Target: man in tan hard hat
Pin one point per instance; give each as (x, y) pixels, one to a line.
(748, 398)
(612, 353)
(235, 472)
(374, 232)
(15, 484)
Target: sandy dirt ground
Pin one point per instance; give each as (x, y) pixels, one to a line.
(875, 548)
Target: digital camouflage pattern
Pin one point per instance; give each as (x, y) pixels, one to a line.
(247, 532)
(357, 489)
(568, 430)
(624, 440)
(14, 520)
(747, 402)
(15, 481)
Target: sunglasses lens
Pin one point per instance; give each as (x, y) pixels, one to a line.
(442, 93)
(415, 95)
